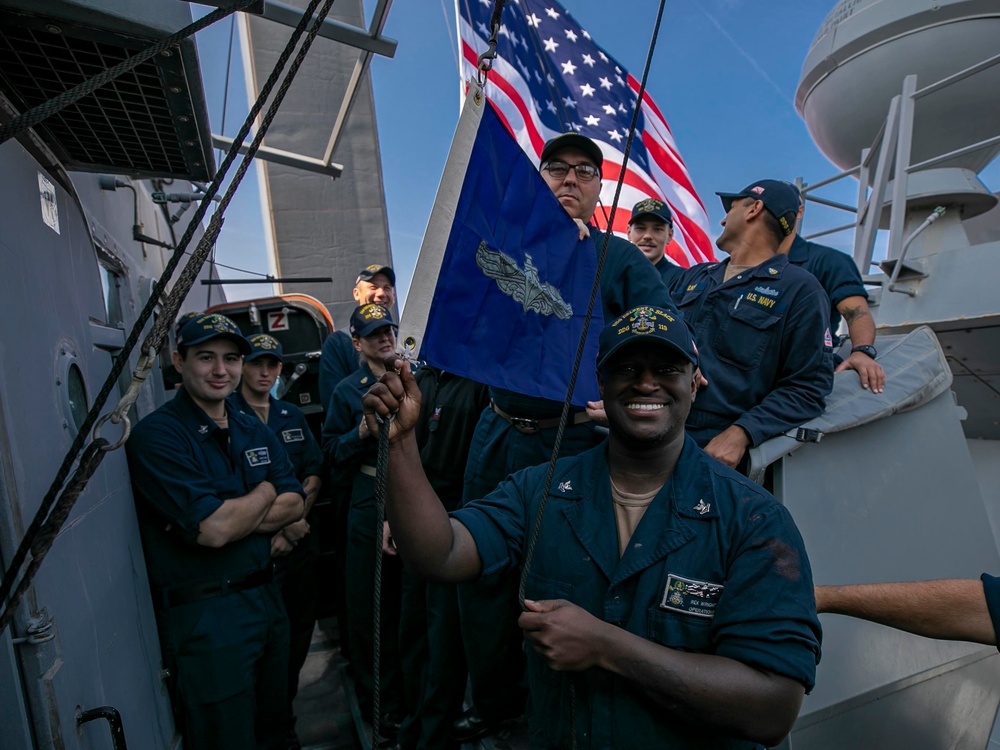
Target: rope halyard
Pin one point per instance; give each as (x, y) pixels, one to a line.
(158, 334)
(381, 468)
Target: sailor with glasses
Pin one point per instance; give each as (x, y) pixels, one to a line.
(518, 431)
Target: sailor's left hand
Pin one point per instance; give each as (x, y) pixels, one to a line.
(729, 446)
(871, 373)
(568, 637)
(583, 231)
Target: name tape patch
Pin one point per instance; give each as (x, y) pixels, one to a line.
(258, 456)
(293, 436)
(698, 598)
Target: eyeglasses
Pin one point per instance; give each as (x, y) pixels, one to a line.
(559, 169)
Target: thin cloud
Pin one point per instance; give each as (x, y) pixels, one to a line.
(756, 66)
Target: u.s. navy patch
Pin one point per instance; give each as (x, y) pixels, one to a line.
(691, 597)
(258, 457)
(293, 436)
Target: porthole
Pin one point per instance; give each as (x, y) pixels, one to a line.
(71, 387)
(76, 390)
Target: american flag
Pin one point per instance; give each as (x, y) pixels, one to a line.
(551, 77)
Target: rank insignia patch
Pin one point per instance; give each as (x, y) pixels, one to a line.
(698, 598)
(258, 456)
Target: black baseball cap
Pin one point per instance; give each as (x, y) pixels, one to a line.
(652, 207)
(780, 198)
(367, 319)
(573, 140)
(369, 272)
(264, 346)
(651, 324)
(206, 326)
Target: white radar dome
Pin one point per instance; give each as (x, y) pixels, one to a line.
(864, 50)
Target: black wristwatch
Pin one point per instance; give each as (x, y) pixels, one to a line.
(865, 349)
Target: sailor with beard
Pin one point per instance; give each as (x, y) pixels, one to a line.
(651, 228)
(669, 600)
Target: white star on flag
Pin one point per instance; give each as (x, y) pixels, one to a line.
(535, 91)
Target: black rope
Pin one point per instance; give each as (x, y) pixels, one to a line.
(35, 115)
(567, 404)
(188, 275)
(47, 534)
(381, 469)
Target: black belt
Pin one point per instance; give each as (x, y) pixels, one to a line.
(531, 426)
(173, 596)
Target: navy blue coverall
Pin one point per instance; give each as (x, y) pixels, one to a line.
(297, 570)
(715, 566)
(430, 636)
(764, 345)
(227, 652)
(834, 270)
(352, 459)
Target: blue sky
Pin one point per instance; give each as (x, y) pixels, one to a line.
(724, 74)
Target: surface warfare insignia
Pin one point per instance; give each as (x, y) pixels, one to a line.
(766, 290)
(293, 436)
(698, 598)
(702, 507)
(523, 285)
(258, 456)
(565, 486)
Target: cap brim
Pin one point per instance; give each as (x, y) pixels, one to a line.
(369, 329)
(650, 213)
(257, 355)
(241, 343)
(728, 198)
(645, 340)
(577, 141)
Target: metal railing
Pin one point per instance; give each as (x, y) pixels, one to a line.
(890, 155)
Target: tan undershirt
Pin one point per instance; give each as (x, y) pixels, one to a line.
(732, 270)
(629, 510)
(262, 412)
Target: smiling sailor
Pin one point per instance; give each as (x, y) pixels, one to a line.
(676, 592)
(211, 487)
(763, 326)
(518, 431)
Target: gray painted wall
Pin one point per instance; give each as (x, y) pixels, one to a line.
(322, 226)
